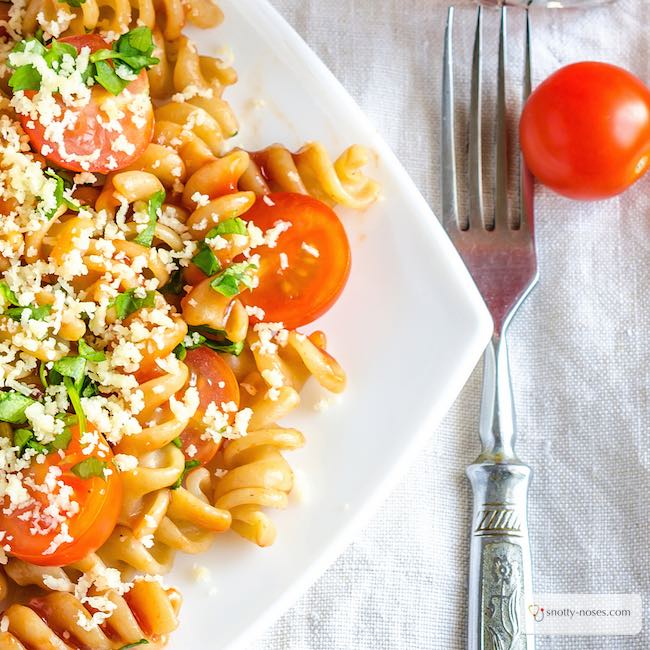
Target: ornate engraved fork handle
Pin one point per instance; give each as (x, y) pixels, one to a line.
(500, 567)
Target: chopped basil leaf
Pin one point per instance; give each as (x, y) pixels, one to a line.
(177, 442)
(145, 237)
(230, 280)
(57, 51)
(8, 296)
(24, 438)
(137, 40)
(73, 3)
(13, 405)
(26, 77)
(35, 313)
(106, 76)
(222, 344)
(127, 303)
(89, 353)
(89, 389)
(205, 259)
(205, 330)
(42, 373)
(200, 340)
(189, 465)
(233, 226)
(134, 52)
(180, 351)
(228, 346)
(89, 468)
(133, 645)
(174, 284)
(73, 367)
(59, 195)
(62, 440)
(21, 438)
(73, 394)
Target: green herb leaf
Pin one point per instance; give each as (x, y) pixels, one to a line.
(73, 3)
(145, 237)
(62, 440)
(127, 303)
(89, 353)
(189, 465)
(205, 259)
(177, 442)
(133, 645)
(73, 367)
(233, 226)
(89, 389)
(89, 468)
(174, 284)
(57, 51)
(13, 405)
(26, 77)
(42, 373)
(22, 438)
(59, 195)
(180, 351)
(227, 346)
(34, 313)
(73, 394)
(231, 280)
(106, 76)
(8, 296)
(197, 341)
(137, 40)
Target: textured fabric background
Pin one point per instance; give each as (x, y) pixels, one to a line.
(579, 352)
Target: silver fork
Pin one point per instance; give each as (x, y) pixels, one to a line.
(499, 251)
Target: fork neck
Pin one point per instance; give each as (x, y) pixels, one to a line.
(497, 416)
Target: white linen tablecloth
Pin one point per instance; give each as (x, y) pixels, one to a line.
(579, 351)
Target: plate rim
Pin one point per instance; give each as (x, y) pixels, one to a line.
(272, 19)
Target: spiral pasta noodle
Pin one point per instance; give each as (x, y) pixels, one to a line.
(310, 171)
(257, 476)
(117, 16)
(138, 363)
(61, 621)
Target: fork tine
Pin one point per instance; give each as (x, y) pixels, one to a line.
(501, 181)
(475, 169)
(525, 177)
(448, 150)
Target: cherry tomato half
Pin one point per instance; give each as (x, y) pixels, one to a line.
(99, 501)
(90, 133)
(215, 382)
(585, 131)
(304, 274)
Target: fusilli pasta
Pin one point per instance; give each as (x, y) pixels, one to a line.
(143, 258)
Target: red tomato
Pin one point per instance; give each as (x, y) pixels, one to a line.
(585, 131)
(89, 135)
(207, 371)
(99, 503)
(317, 260)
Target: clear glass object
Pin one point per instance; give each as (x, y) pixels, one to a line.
(548, 4)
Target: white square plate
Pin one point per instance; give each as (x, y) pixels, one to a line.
(408, 329)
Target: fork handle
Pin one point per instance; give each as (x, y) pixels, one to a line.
(500, 582)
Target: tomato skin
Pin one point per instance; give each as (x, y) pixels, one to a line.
(88, 135)
(99, 501)
(207, 370)
(585, 131)
(310, 285)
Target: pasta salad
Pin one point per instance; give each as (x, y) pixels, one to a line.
(154, 280)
